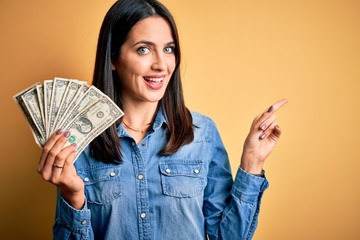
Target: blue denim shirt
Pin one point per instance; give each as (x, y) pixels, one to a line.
(190, 195)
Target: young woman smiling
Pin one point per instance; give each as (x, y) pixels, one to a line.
(162, 171)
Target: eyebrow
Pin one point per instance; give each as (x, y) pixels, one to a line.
(151, 43)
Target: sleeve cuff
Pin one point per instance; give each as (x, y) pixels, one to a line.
(72, 218)
(248, 187)
(262, 174)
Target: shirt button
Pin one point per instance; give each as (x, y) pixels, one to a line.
(143, 144)
(86, 179)
(112, 174)
(140, 177)
(83, 222)
(196, 171)
(133, 144)
(143, 215)
(168, 170)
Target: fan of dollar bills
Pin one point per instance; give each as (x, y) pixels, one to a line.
(70, 105)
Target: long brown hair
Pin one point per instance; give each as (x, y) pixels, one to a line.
(119, 20)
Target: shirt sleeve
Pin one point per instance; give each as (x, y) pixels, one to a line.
(231, 208)
(71, 223)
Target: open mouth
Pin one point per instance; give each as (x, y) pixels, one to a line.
(154, 83)
(154, 79)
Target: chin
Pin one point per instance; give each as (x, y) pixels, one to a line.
(155, 98)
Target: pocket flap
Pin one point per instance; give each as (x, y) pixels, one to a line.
(101, 174)
(182, 169)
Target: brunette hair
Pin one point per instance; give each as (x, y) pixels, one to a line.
(118, 22)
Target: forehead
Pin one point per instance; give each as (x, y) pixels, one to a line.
(154, 29)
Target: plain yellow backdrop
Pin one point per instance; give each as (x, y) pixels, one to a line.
(238, 58)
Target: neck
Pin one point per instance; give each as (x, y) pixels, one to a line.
(137, 130)
(138, 116)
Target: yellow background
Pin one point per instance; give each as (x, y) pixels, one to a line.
(239, 57)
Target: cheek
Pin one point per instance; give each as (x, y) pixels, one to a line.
(172, 65)
(130, 70)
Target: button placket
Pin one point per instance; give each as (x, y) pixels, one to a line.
(141, 188)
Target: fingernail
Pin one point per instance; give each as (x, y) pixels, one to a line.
(67, 133)
(73, 145)
(59, 131)
(270, 109)
(263, 126)
(263, 136)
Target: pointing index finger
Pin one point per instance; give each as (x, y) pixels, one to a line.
(277, 105)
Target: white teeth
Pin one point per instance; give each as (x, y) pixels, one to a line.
(157, 80)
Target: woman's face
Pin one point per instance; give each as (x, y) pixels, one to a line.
(146, 61)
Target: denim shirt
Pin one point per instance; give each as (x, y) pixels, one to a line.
(189, 195)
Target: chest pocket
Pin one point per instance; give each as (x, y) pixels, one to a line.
(182, 178)
(102, 185)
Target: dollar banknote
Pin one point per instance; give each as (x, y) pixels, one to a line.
(39, 138)
(70, 105)
(59, 87)
(47, 86)
(91, 122)
(72, 88)
(31, 102)
(40, 95)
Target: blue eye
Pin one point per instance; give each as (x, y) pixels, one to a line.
(142, 50)
(169, 49)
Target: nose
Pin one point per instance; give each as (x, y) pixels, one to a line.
(159, 62)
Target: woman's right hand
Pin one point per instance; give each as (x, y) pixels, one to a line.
(56, 166)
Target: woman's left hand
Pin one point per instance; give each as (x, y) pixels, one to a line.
(261, 140)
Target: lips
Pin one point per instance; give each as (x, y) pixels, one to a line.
(154, 82)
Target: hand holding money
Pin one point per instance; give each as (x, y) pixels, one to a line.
(56, 166)
(69, 105)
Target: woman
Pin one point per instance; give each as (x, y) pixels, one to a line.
(162, 171)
